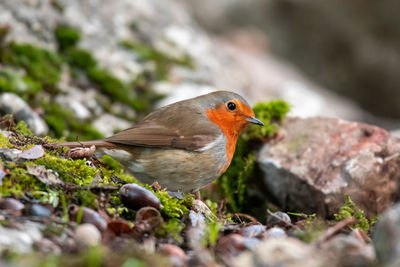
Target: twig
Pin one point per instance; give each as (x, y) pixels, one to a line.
(331, 231)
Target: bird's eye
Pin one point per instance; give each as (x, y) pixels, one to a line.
(231, 106)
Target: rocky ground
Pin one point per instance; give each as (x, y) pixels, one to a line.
(302, 191)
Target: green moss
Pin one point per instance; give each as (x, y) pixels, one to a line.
(214, 225)
(172, 207)
(270, 113)
(16, 82)
(233, 183)
(66, 37)
(22, 128)
(71, 171)
(111, 163)
(41, 65)
(350, 209)
(173, 227)
(80, 59)
(4, 141)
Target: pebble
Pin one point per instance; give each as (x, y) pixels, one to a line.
(89, 216)
(87, 234)
(11, 204)
(12, 104)
(276, 232)
(39, 210)
(135, 197)
(278, 219)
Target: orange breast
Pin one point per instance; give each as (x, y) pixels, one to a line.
(230, 126)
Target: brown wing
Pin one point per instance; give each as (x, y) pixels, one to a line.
(175, 126)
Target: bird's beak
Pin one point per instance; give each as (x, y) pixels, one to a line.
(254, 121)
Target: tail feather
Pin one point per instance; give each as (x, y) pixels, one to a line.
(97, 143)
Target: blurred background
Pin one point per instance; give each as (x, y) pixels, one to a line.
(90, 68)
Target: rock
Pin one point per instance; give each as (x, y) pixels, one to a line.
(108, 124)
(177, 257)
(230, 245)
(200, 206)
(135, 197)
(72, 103)
(11, 204)
(347, 250)
(286, 252)
(34, 152)
(9, 154)
(276, 232)
(278, 219)
(87, 234)
(45, 176)
(39, 210)
(20, 239)
(386, 237)
(252, 230)
(195, 230)
(316, 162)
(88, 216)
(13, 104)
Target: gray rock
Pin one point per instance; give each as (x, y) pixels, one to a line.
(286, 252)
(386, 237)
(13, 104)
(347, 250)
(9, 154)
(316, 162)
(108, 124)
(20, 239)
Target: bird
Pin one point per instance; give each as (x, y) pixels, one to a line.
(183, 146)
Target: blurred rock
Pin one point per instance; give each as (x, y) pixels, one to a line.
(21, 239)
(282, 252)
(386, 237)
(9, 154)
(108, 124)
(13, 104)
(276, 232)
(347, 250)
(39, 210)
(278, 218)
(87, 234)
(316, 162)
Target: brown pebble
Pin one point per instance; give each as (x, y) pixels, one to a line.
(231, 244)
(11, 204)
(177, 255)
(135, 197)
(88, 216)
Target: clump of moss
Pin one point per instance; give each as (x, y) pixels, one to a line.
(233, 183)
(350, 209)
(66, 36)
(22, 128)
(214, 225)
(41, 65)
(270, 113)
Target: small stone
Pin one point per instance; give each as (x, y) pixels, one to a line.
(200, 206)
(88, 216)
(252, 230)
(39, 210)
(107, 124)
(34, 152)
(230, 245)
(87, 234)
(278, 219)
(45, 176)
(12, 104)
(9, 154)
(276, 232)
(11, 204)
(386, 237)
(177, 257)
(135, 197)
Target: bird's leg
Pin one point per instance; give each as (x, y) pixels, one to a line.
(197, 195)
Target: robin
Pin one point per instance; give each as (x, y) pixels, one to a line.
(183, 146)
